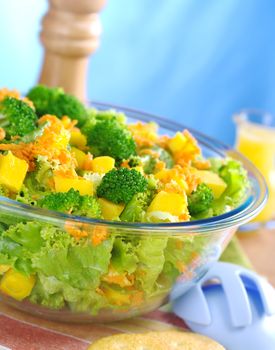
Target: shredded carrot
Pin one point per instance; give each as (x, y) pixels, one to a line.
(68, 123)
(184, 217)
(181, 266)
(137, 298)
(125, 164)
(179, 244)
(2, 134)
(99, 234)
(15, 94)
(88, 162)
(77, 230)
(144, 135)
(162, 141)
(201, 164)
(9, 93)
(160, 165)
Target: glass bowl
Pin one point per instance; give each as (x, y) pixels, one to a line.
(133, 269)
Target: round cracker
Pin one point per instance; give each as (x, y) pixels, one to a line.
(167, 340)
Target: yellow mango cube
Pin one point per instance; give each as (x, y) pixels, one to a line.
(17, 285)
(13, 171)
(172, 203)
(110, 211)
(116, 297)
(78, 139)
(103, 164)
(64, 184)
(177, 142)
(213, 181)
(80, 157)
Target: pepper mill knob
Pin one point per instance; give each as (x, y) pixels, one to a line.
(70, 33)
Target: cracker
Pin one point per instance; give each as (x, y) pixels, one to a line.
(167, 340)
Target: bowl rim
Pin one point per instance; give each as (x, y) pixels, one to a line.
(240, 215)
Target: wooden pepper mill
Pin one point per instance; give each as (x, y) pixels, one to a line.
(70, 33)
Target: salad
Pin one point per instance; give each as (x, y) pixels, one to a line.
(59, 155)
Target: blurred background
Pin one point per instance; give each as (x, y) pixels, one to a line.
(196, 62)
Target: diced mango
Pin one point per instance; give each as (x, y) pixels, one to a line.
(103, 164)
(78, 139)
(110, 211)
(17, 285)
(213, 181)
(80, 157)
(64, 184)
(116, 297)
(172, 203)
(177, 142)
(13, 171)
(4, 268)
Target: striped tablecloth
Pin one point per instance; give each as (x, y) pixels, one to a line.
(21, 331)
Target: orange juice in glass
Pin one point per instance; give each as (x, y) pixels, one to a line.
(256, 140)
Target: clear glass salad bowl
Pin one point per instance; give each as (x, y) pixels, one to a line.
(149, 257)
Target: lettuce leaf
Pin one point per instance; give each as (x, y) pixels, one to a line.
(151, 259)
(124, 257)
(27, 235)
(79, 265)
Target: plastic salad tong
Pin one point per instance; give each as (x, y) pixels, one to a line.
(238, 311)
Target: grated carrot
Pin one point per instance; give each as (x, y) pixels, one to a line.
(15, 94)
(144, 134)
(137, 298)
(77, 230)
(2, 134)
(99, 234)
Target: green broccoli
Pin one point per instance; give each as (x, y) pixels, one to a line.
(120, 185)
(72, 202)
(17, 117)
(55, 101)
(135, 210)
(95, 115)
(200, 200)
(109, 137)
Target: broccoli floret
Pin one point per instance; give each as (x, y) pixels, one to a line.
(120, 185)
(55, 101)
(135, 210)
(98, 115)
(109, 137)
(200, 200)
(72, 202)
(17, 117)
